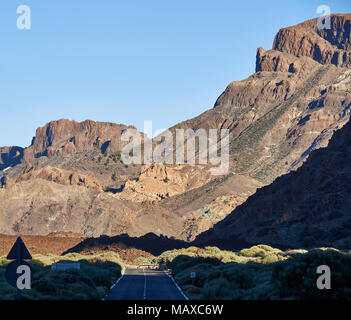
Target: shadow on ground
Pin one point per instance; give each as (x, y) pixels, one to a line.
(153, 244)
(149, 243)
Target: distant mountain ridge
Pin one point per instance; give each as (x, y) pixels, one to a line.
(67, 137)
(299, 95)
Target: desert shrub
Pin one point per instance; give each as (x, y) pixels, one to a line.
(192, 249)
(260, 272)
(78, 287)
(92, 281)
(271, 258)
(232, 257)
(193, 290)
(141, 260)
(239, 274)
(268, 248)
(81, 296)
(3, 261)
(213, 251)
(203, 272)
(44, 285)
(100, 276)
(254, 251)
(296, 277)
(168, 256)
(183, 262)
(217, 289)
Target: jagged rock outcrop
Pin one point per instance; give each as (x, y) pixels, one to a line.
(275, 61)
(60, 176)
(64, 137)
(158, 181)
(326, 46)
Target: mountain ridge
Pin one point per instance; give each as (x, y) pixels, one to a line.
(288, 108)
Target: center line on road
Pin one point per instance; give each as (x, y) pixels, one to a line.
(144, 297)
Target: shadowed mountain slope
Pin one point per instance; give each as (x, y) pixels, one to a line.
(309, 207)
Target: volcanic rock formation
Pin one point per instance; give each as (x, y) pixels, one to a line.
(326, 46)
(289, 107)
(60, 176)
(299, 95)
(64, 137)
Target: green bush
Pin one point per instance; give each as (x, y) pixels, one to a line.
(259, 272)
(296, 277)
(91, 282)
(255, 251)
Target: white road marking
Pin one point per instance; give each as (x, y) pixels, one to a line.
(118, 280)
(176, 284)
(144, 297)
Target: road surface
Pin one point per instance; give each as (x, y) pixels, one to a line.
(145, 284)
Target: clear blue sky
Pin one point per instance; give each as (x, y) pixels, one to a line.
(130, 61)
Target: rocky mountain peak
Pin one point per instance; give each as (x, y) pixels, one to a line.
(64, 137)
(326, 46)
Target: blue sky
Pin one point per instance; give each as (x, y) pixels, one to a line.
(130, 61)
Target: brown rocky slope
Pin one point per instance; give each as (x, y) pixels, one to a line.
(309, 207)
(289, 107)
(40, 207)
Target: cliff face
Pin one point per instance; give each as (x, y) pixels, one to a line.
(64, 137)
(326, 46)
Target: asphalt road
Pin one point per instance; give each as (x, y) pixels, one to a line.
(145, 284)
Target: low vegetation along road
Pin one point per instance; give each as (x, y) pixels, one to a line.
(145, 284)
